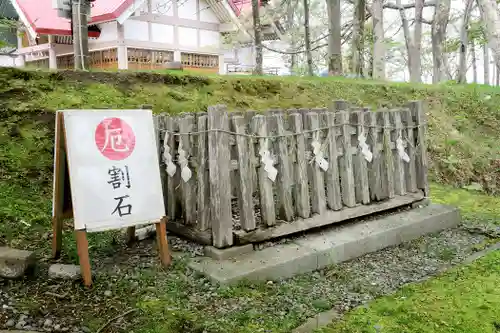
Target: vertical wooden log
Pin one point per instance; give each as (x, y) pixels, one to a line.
(399, 171)
(284, 180)
(301, 189)
(410, 167)
(267, 207)
(245, 184)
(186, 125)
(253, 165)
(318, 200)
(388, 145)
(172, 206)
(333, 193)
(374, 172)
(220, 187)
(418, 113)
(345, 161)
(203, 192)
(359, 162)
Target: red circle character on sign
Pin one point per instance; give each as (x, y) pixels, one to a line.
(115, 139)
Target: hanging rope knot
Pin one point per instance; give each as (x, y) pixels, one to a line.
(167, 157)
(267, 161)
(318, 153)
(183, 163)
(401, 150)
(365, 149)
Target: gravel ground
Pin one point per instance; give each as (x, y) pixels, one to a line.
(54, 306)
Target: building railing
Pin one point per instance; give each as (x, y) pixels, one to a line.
(247, 69)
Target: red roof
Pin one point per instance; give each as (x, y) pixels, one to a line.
(240, 6)
(44, 20)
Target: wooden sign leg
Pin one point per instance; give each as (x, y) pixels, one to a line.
(161, 236)
(82, 245)
(56, 236)
(131, 235)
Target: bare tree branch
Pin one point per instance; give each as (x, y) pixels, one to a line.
(391, 5)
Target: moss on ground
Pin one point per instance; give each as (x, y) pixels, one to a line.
(463, 123)
(463, 300)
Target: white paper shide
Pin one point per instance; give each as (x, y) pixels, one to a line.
(114, 169)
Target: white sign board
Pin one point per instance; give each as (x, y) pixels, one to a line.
(113, 168)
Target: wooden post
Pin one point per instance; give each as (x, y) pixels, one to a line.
(418, 113)
(219, 168)
(388, 166)
(203, 194)
(245, 184)
(186, 125)
(58, 195)
(359, 162)
(333, 193)
(171, 193)
(317, 180)
(267, 207)
(82, 246)
(374, 168)
(301, 190)
(411, 167)
(345, 161)
(161, 238)
(399, 164)
(284, 181)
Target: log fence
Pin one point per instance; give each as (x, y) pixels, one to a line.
(240, 177)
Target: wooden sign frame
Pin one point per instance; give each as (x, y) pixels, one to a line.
(62, 208)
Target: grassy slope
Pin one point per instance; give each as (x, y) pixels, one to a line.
(464, 300)
(463, 123)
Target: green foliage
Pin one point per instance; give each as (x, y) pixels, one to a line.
(463, 300)
(463, 123)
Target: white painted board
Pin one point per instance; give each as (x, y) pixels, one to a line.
(113, 168)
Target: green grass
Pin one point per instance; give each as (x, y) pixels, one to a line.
(475, 206)
(464, 300)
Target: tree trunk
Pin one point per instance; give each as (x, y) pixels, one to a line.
(491, 23)
(438, 37)
(493, 74)
(474, 62)
(464, 42)
(378, 40)
(413, 45)
(334, 38)
(497, 77)
(307, 39)
(486, 64)
(257, 29)
(290, 18)
(358, 31)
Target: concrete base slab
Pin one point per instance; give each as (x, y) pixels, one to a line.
(337, 244)
(222, 254)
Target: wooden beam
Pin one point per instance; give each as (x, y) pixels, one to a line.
(327, 218)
